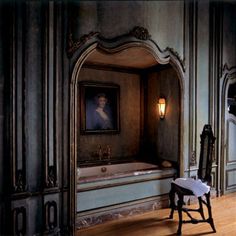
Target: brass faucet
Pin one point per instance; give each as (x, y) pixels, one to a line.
(100, 152)
(103, 152)
(108, 152)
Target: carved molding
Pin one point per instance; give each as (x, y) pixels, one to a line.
(226, 68)
(228, 77)
(20, 181)
(17, 102)
(49, 98)
(228, 185)
(73, 46)
(140, 207)
(50, 216)
(140, 33)
(51, 177)
(227, 137)
(192, 14)
(213, 179)
(176, 54)
(19, 221)
(193, 159)
(215, 72)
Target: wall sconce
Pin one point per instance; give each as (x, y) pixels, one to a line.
(162, 107)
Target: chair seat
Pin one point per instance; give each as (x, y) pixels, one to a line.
(196, 186)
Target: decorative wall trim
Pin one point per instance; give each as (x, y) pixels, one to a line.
(193, 159)
(226, 68)
(19, 221)
(74, 45)
(229, 186)
(50, 163)
(233, 121)
(176, 54)
(228, 77)
(140, 33)
(17, 114)
(213, 179)
(50, 216)
(20, 181)
(215, 70)
(105, 214)
(215, 73)
(193, 42)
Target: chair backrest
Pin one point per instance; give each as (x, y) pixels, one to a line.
(206, 154)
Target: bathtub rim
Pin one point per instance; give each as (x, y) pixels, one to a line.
(153, 175)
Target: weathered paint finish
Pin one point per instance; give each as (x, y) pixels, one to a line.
(156, 16)
(165, 21)
(144, 187)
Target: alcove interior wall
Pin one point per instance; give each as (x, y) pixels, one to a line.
(143, 136)
(125, 144)
(162, 137)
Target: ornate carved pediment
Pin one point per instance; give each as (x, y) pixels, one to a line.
(138, 32)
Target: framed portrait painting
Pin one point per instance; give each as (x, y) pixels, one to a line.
(99, 108)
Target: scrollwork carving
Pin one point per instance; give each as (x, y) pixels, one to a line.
(52, 177)
(73, 46)
(176, 54)
(193, 159)
(20, 181)
(140, 33)
(227, 68)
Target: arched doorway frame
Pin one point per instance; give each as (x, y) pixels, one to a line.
(81, 52)
(228, 76)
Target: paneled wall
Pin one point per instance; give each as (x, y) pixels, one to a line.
(156, 16)
(1, 110)
(33, 193)
(163, 136)
(35, 71)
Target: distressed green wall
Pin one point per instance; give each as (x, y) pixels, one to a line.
(184, 26)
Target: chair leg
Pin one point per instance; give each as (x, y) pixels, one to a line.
(172, 201)
(210, 219)
(180, 206)
(201, 208)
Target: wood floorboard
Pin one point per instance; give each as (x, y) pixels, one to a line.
(155, 223)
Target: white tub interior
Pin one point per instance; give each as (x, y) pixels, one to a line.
(114, 169)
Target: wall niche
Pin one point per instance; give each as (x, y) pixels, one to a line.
(142, 134)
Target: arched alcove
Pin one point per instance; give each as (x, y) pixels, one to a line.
(143, 73)
(227, 128)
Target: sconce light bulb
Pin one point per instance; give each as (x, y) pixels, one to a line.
(162, 107)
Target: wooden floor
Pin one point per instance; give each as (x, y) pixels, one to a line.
(156, 223)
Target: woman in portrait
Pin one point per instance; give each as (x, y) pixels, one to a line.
(101, 119)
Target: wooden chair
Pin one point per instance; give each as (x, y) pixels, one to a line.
(204, 174)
